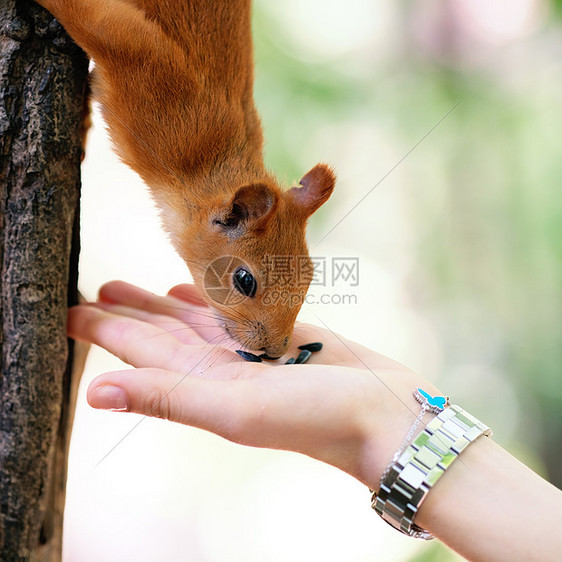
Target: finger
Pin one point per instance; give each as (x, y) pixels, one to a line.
(180, 330)
(187, 293)
(200, 318)
(141, 344)
(220, 406)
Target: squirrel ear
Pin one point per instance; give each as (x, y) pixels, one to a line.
(250, 208)
(317, 186)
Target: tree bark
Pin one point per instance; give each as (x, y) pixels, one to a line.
(42, 86)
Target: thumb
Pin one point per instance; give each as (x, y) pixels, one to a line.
(207, 404)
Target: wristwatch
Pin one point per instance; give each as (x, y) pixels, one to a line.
(406, 483)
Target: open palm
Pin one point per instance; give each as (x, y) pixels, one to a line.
(347, 406)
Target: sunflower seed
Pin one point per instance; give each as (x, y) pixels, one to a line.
(316, 346)
(290, 361)
(303, 357)
(249, 356)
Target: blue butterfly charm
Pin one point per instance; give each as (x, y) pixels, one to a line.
(436, 403)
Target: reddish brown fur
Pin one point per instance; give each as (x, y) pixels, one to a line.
(175, 79)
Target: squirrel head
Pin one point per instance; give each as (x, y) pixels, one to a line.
(249, 258)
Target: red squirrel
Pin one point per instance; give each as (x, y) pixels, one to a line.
(175, 82)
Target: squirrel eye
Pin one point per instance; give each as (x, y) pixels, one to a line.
(244, 282)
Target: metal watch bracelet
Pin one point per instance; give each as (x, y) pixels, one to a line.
(407, 481)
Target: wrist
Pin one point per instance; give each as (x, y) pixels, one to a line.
(386, 426)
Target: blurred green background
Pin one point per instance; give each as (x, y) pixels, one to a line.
(481, 191)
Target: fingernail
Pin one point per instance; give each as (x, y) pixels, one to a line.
(108, 397)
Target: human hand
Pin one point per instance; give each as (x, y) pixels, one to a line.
(348, 406)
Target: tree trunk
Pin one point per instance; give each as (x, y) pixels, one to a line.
(42, 84)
